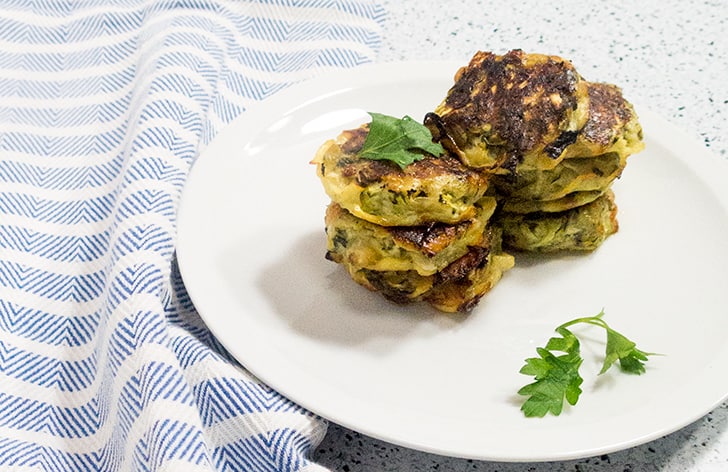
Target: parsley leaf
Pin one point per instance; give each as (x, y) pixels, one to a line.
(402, 141)
(625, 351)
(557, 377)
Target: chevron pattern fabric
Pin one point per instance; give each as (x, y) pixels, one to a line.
(104, 106)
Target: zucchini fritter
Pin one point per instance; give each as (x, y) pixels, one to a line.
(505, 109)
(456, 288)
(567, 202)
(425, 249)
(568, 184)
(582, 228)
(588, 166)
(612, 127)
(434, 189)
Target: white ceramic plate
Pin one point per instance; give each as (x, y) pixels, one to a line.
(251, 252)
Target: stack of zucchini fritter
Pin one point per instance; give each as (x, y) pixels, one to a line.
(551, 142)
(418, 233)
(531, 151)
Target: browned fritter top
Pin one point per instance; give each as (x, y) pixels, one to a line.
(352, 140)
(517, 100)
(368, 171)
(608, 113)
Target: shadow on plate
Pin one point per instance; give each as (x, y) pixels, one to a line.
(318, 299)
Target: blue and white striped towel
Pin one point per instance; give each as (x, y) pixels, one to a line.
(104, 106)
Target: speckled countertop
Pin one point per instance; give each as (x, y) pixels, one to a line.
(669, 56)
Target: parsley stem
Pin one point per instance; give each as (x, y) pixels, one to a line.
(595, 320)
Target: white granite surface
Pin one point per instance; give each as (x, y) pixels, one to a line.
(669, 56)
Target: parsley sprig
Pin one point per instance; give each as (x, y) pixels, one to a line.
(400, 140)
(556, 370)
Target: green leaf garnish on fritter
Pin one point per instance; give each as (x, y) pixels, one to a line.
(557, 375)
(400, 140)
